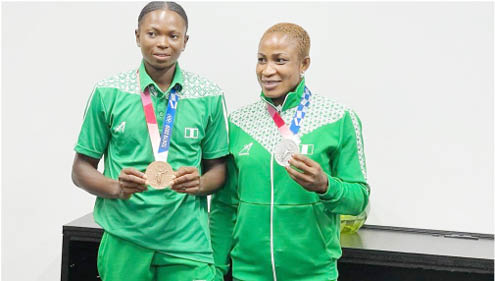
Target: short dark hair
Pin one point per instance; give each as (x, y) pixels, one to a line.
(164, 5)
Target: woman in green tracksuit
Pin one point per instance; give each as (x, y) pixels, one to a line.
(153, 233)
(277, 216)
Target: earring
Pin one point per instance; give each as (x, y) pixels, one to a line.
(302, 74)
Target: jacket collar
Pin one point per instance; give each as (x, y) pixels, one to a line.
(292, 99)
(146, 81)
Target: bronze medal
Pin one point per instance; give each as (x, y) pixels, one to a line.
(159, 174)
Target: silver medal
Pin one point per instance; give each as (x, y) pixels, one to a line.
(284, 151)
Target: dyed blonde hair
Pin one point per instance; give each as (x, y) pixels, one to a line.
(296, 33)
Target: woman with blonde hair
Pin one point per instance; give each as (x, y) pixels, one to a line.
(296, 164)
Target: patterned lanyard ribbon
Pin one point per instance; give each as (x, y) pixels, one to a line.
(161, 144)
(296, 120)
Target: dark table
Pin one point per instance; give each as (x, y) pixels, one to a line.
(375, 253)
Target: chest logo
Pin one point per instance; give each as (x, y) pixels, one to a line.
(120, 128)
(191, 133)
(245, 150)
(307, 149)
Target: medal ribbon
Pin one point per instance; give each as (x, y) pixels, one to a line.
(161, 144)
(296, 120)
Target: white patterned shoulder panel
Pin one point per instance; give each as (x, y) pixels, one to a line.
(196, 86)
(255, 120)
(321, 111)
(124, 81)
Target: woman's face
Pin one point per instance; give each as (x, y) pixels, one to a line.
(279, 66)
(161, 36)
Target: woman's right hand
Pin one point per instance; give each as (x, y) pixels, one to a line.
(130, 181)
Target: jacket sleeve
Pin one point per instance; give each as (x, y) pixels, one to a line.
(223, 213)
(348, 191)
(95, 131)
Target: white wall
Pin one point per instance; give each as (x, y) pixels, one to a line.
(420, 76)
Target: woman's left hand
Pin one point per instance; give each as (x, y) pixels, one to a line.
(187, 180)
(311, 177)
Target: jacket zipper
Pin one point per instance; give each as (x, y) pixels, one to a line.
(271, 219)
(276, 107)
(272, 254)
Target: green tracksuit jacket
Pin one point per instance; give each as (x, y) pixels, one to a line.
(269, 225)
